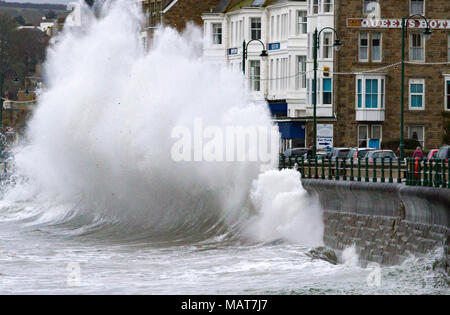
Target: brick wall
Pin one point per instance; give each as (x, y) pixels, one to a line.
(386, 222)
(347, 61)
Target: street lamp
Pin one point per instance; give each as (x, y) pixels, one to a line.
(263, 54)
(426, 35)
(337, 46)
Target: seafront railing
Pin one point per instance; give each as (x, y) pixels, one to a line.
(411, 171)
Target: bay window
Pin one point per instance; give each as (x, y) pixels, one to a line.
(255, 75)
(327, 45)
(327, 6)
(370, 92)
(255, 28)
(324, 91)
(315, 7)
(302, 22)
(301, 69)
(327, 94)
(217, 33)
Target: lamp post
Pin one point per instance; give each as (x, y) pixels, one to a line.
(337, 46)
(426, 35)
(245, 51)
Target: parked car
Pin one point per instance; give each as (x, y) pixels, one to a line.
(295, 152)
(359, 153)
(339, 153)
(320, 156)
(432, 154)
(378, 155)
(443, 153)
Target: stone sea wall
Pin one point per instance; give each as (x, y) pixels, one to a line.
(386, 222)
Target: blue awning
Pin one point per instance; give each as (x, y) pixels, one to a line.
(278, 108)
(292, 129)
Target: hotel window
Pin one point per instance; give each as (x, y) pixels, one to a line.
(217, 33)
(255, 75)
(369, 6)
(376, 46)
(363, 46)
(370, 92)
(363, 136)
(301, 69)
(255, 28)
(327, 6)
(447, 94)
(302, 23)
(417, 133)
(416, 94)
(417, 7)
(416, 49)
(327, 45)
(327, 95)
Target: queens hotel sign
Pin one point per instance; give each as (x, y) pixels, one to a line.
(397, 23)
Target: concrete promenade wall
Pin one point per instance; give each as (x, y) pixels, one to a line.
(386, 222)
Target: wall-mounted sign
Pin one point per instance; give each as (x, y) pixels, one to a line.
(324, 136)
(397, 23)
(274, 46)
(232, 51)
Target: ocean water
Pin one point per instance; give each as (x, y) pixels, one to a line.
(94, 202)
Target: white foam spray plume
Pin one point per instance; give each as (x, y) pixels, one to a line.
(285, 210)
(99, 145)
(350, 257)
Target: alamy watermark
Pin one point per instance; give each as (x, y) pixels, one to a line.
(231, 143)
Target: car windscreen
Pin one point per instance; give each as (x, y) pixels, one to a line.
(363, 153)
(383, 155)
(342, 153)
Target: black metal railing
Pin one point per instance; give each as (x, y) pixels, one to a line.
(411, 171)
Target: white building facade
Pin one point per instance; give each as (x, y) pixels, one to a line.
(284, 78)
